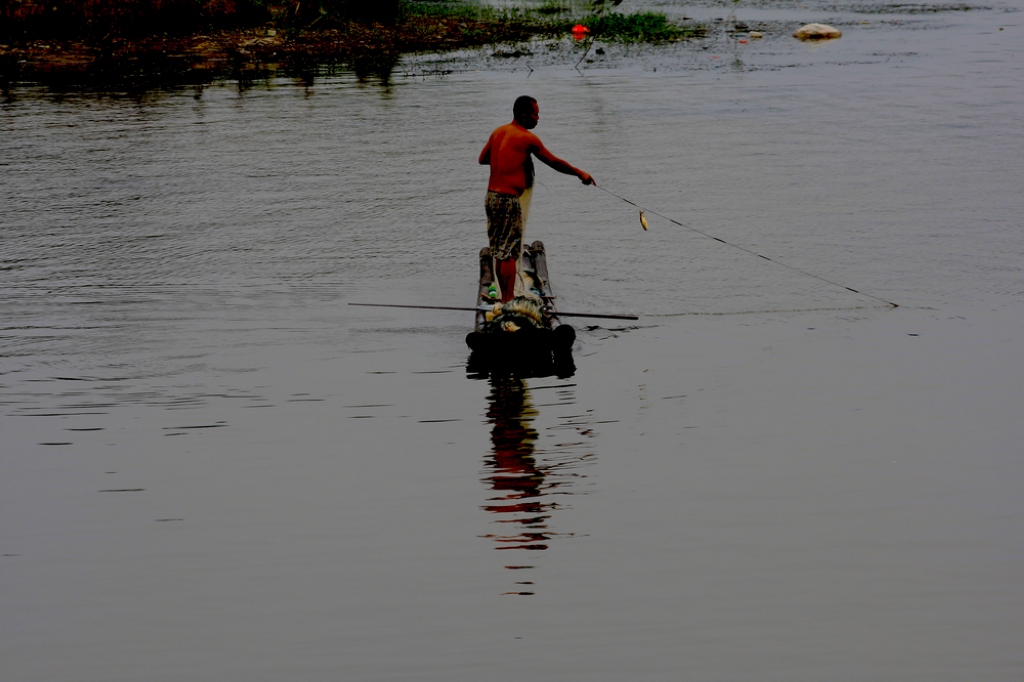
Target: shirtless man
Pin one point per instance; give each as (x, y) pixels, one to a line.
(509, 153)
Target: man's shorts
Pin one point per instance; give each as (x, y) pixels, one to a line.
(505, 224)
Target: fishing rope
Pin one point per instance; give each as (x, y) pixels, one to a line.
(742, 248)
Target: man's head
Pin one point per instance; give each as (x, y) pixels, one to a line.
(526, 112)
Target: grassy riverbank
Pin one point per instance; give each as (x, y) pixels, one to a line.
(144, 44)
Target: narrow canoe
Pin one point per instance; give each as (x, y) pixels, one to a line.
(525, 341)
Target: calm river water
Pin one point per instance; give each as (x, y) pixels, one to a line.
(216, 469)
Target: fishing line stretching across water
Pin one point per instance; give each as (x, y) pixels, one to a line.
(742, 248)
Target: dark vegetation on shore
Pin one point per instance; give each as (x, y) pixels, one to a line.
(146, 44)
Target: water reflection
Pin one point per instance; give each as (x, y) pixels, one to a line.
(148, 73)
(514, 475)
(524, 481)
(375, 66)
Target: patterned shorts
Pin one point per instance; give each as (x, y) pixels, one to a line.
(504, 225)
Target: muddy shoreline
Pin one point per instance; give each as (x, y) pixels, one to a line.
(254, 54)
(240, 54)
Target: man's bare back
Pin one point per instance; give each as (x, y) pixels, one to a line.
(509, 153)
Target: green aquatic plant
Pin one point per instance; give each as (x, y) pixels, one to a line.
(640, 27)
(557, 17)
(552, 7)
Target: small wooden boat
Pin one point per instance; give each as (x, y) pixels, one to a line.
(526, 329)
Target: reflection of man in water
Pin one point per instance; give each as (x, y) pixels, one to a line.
(509, 153)
(515, 474)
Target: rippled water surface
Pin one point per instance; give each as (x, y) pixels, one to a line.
(214, 468)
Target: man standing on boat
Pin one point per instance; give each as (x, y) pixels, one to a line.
(509, 153)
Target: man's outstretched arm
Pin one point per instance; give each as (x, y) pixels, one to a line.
(561, 165)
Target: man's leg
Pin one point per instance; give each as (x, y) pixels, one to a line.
(505, 233)
(506, 273)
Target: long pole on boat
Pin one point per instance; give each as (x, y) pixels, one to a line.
(557, 313)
